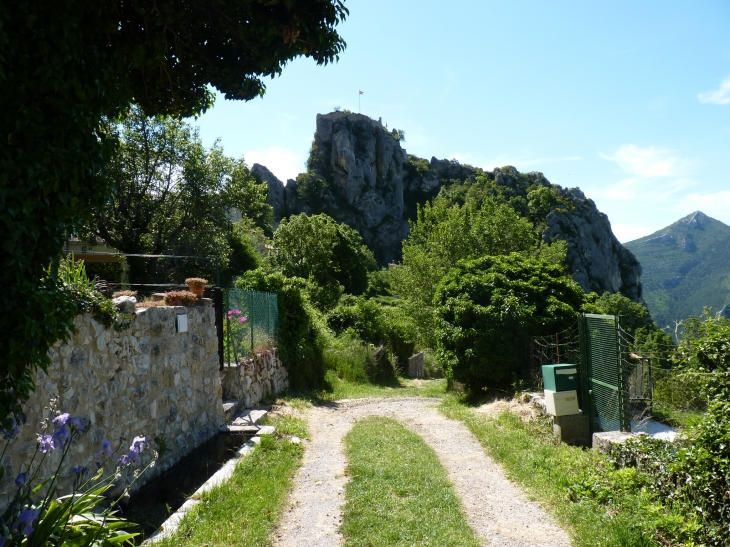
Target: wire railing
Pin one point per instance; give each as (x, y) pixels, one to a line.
(251, 322)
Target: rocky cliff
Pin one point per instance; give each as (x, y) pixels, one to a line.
(359, 174)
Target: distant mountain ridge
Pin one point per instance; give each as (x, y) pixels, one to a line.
(686, 267)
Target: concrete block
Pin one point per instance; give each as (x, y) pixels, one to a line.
(606, 441)
(573, 429)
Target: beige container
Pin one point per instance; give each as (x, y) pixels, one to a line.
(561, 403)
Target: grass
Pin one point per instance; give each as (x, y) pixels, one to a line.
(399, 493)
(682, 419)
(337, 389)
(598, 504)
(244, 511)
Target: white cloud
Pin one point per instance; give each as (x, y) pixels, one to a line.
(649, 161)
(284, 163)
(718, 96)
(715, 204)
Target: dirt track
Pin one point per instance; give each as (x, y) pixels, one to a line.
(497, 510)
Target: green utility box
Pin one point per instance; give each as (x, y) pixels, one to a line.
(563, 377)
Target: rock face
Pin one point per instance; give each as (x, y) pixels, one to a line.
(596, 259)
(275, 195)
(359, 174)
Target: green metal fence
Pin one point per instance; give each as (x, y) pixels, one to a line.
(604, 374)
(251, 322)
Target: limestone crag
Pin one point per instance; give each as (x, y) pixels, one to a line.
(596, 259)
(275, 194)
(359, 174)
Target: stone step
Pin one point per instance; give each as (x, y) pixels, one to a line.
(249, 416)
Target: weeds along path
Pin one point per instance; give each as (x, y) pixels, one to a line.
(497, 510)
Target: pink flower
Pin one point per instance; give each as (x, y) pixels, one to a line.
(234, 312)
(242, 319)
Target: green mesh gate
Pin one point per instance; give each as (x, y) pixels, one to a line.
(604, 380)
(251, 322)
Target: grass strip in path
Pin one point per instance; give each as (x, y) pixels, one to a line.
(244, 511)
(398, 494)
(599, 505)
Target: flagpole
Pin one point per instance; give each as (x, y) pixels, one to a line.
(359, 110)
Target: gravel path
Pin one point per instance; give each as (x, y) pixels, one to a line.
(497, 510)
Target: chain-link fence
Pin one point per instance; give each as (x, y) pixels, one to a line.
(251, 322)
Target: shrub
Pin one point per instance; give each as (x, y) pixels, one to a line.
(377, 325)
(487, 309)
(301, 327)
(83, 294)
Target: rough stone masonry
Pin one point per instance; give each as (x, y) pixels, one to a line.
(145, 380)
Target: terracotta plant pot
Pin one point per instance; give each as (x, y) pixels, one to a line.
(197, 290)
(196, 285)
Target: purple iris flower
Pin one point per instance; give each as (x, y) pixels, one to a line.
(75, 423)
(106, 447)
(130, 457)
(138, 444)
(45, 443)
(21, 479)
(61, 419)
(26, 518)
(61, 436)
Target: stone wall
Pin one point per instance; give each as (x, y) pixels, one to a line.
(145, 380)
(254, 378)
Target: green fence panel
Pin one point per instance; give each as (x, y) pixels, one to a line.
(605, 380)
(251, 322)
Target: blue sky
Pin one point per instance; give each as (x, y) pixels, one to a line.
(629, 101)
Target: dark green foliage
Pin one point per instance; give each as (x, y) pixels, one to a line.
(633, 314)
(445, 234)
(172, 196)
(301, 333)
(380, 283)
(685, 268)
(330, 255)
(487, 309)
(379, 325)
(692, 474)
(68, 65)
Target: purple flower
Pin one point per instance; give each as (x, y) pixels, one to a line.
(26, 518)
(76, 423)
(61, 419)
(130, 457)
(61, 436)
(138, 444)
(106, 446)
(21, 479)
(45, 443)
(242, 319)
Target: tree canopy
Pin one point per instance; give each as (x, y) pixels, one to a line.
(331, 255)
(65, 67)
(172, 196)
(487, 309)
(442, 235)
